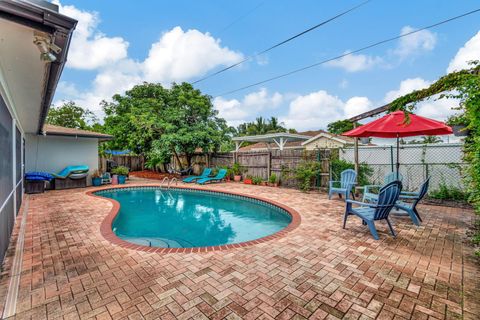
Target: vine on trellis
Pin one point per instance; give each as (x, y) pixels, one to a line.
(464, 86)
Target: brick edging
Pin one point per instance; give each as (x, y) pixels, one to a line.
(107, 232)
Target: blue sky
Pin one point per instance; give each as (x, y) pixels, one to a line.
(117, 46)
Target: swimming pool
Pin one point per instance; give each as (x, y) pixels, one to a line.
(189, 218)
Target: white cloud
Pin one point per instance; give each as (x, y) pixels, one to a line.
(180, 55)
(357, 105)
(355, 62)
(230, 110)
(470, 51)
(236, 112)
(416, 43)
(177, 56)
(437, 109)
(317, 109)
(262, 100)
(90, 49)
(406, 86)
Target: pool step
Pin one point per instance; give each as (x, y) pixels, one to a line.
(157, 242)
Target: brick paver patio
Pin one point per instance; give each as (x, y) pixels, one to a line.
(317, 271)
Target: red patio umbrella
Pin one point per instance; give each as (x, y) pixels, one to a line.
(393, 125)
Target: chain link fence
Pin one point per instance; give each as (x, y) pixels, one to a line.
(443, 163)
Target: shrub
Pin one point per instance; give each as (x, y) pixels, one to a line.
(257, 180)
(339, 165)
(273, 178)
(305, 172)
(237, 169)
(446, 192)
(120, 170)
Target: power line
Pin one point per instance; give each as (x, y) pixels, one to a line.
(282, 42)
(350, 52)
(242, 17)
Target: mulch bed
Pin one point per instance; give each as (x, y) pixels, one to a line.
(447, 203)
(147, 174)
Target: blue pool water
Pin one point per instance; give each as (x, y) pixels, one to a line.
(188, 218)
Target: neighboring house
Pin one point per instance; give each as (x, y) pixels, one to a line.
(34, 41)
(319, 139)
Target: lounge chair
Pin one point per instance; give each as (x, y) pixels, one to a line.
(370, 196)
(206, 172)
(371, 212)
(347, 182)
(222, 173)
(184, 172)
(72, 172)
(414, 198)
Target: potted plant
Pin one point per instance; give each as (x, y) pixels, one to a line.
(248, 180)
(97, 178)
(229, 175)
(256, 180)
(237, 171)
(273, 180)
(121, 172)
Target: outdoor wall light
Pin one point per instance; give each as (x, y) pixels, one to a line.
(45, 45)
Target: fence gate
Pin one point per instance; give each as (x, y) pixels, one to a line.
(134, 163)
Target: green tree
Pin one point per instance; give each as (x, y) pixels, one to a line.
(70, 115)
(158, 122)
(340, 126)
(261, 126)
(427, 140)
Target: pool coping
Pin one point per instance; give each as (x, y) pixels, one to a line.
(108, 234)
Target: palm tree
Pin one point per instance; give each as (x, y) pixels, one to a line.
(431, 139)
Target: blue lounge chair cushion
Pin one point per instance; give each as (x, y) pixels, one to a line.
(206, 172)
(38, 176)
(222, 173)
(69, 170)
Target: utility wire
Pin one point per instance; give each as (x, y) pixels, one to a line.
(282, 42)
(242, 17)
(351, 52)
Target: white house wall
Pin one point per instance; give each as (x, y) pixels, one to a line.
(53, 153)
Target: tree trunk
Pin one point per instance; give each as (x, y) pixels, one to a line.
(178, 159)
(189, 159)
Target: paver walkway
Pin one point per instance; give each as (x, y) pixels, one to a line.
(317, 271)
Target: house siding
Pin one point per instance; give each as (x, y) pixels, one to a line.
(53, 153)
(322, 143)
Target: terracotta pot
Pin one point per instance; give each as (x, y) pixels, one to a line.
(247, 181)
(237, 178)
(264, 183)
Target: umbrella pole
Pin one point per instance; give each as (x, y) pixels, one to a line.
(398, 155)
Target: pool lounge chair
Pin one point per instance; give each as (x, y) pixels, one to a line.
(347, 182)
(413, 198)
(206, 172)
(371, 212)
(222, 173)
(73, 172)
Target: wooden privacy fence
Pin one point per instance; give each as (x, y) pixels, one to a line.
(135, 163)
(263, 163)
